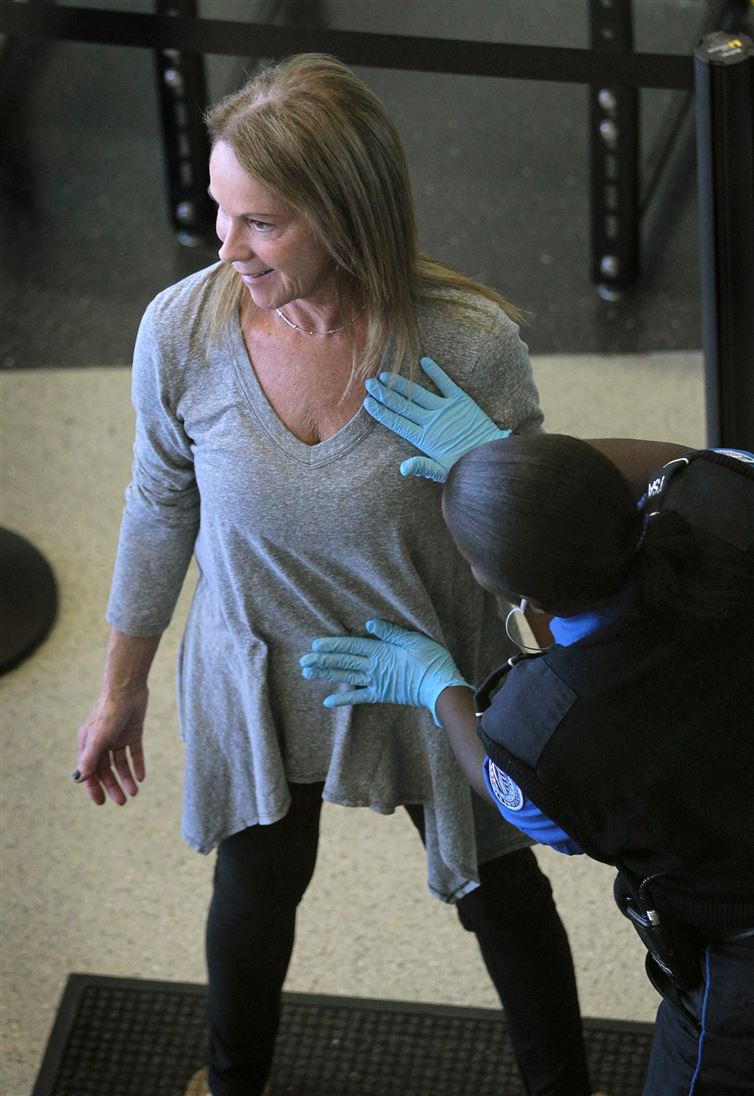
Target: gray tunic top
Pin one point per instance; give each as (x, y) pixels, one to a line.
(294, 541)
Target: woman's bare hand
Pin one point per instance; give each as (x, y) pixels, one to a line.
(110, 753)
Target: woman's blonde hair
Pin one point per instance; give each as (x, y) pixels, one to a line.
(311, 132)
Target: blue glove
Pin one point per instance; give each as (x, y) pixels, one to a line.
(443, 427)
(399, 667)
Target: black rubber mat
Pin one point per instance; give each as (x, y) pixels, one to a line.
(121, 1037)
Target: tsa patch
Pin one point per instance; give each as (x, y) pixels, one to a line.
(505, 790)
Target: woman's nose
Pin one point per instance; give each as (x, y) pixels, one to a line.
(233, 247)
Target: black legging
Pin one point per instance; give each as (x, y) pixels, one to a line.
(261, 875)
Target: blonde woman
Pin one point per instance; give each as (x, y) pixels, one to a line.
(253, 453)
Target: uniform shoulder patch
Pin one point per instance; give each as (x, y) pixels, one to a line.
(505, 790)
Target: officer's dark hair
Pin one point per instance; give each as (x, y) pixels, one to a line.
(550, 517)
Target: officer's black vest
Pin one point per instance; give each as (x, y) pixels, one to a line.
(639, 741)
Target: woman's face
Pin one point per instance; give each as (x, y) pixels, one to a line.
(267, 242)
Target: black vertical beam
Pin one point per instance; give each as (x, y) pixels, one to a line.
(724, 70)
(183, 100)
(614, 146)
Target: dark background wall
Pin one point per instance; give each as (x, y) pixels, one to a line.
(500, 170)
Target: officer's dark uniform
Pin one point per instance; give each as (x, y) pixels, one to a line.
(638, 740)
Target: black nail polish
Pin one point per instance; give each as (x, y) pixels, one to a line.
(76, 775)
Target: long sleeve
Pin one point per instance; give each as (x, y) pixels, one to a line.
(161, 515)
(510, 359)
(487, 358)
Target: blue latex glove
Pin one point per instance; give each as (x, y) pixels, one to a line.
(399, 667)
(443, 427)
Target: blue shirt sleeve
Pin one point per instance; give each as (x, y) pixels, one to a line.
(522, 813)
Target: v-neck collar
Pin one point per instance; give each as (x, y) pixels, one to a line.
(311, 455)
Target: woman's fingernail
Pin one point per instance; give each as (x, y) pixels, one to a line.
(76, 775)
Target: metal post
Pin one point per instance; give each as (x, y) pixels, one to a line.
(724, 70)
(183, 99)
(614, 144)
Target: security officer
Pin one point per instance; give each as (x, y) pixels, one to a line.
(630, 738)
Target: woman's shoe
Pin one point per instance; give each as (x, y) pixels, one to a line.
(199, 1085)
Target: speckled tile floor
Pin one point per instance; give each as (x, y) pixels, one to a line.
(114, 891)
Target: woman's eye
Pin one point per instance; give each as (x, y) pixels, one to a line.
(261, 226)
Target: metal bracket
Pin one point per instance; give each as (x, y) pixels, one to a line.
(183, 99)
(614, 144)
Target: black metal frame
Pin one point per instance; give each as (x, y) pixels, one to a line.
(182, 92)
(616, 205)
(620, 191)
(617, 202)
(614, 145)
(725, 144)
(727, 319)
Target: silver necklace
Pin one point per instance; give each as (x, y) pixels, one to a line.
(332, 331)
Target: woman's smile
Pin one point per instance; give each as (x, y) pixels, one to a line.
(249, 279)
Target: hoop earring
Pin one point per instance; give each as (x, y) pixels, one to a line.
(522, 610)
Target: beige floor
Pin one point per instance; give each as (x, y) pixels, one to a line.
(114, 891)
